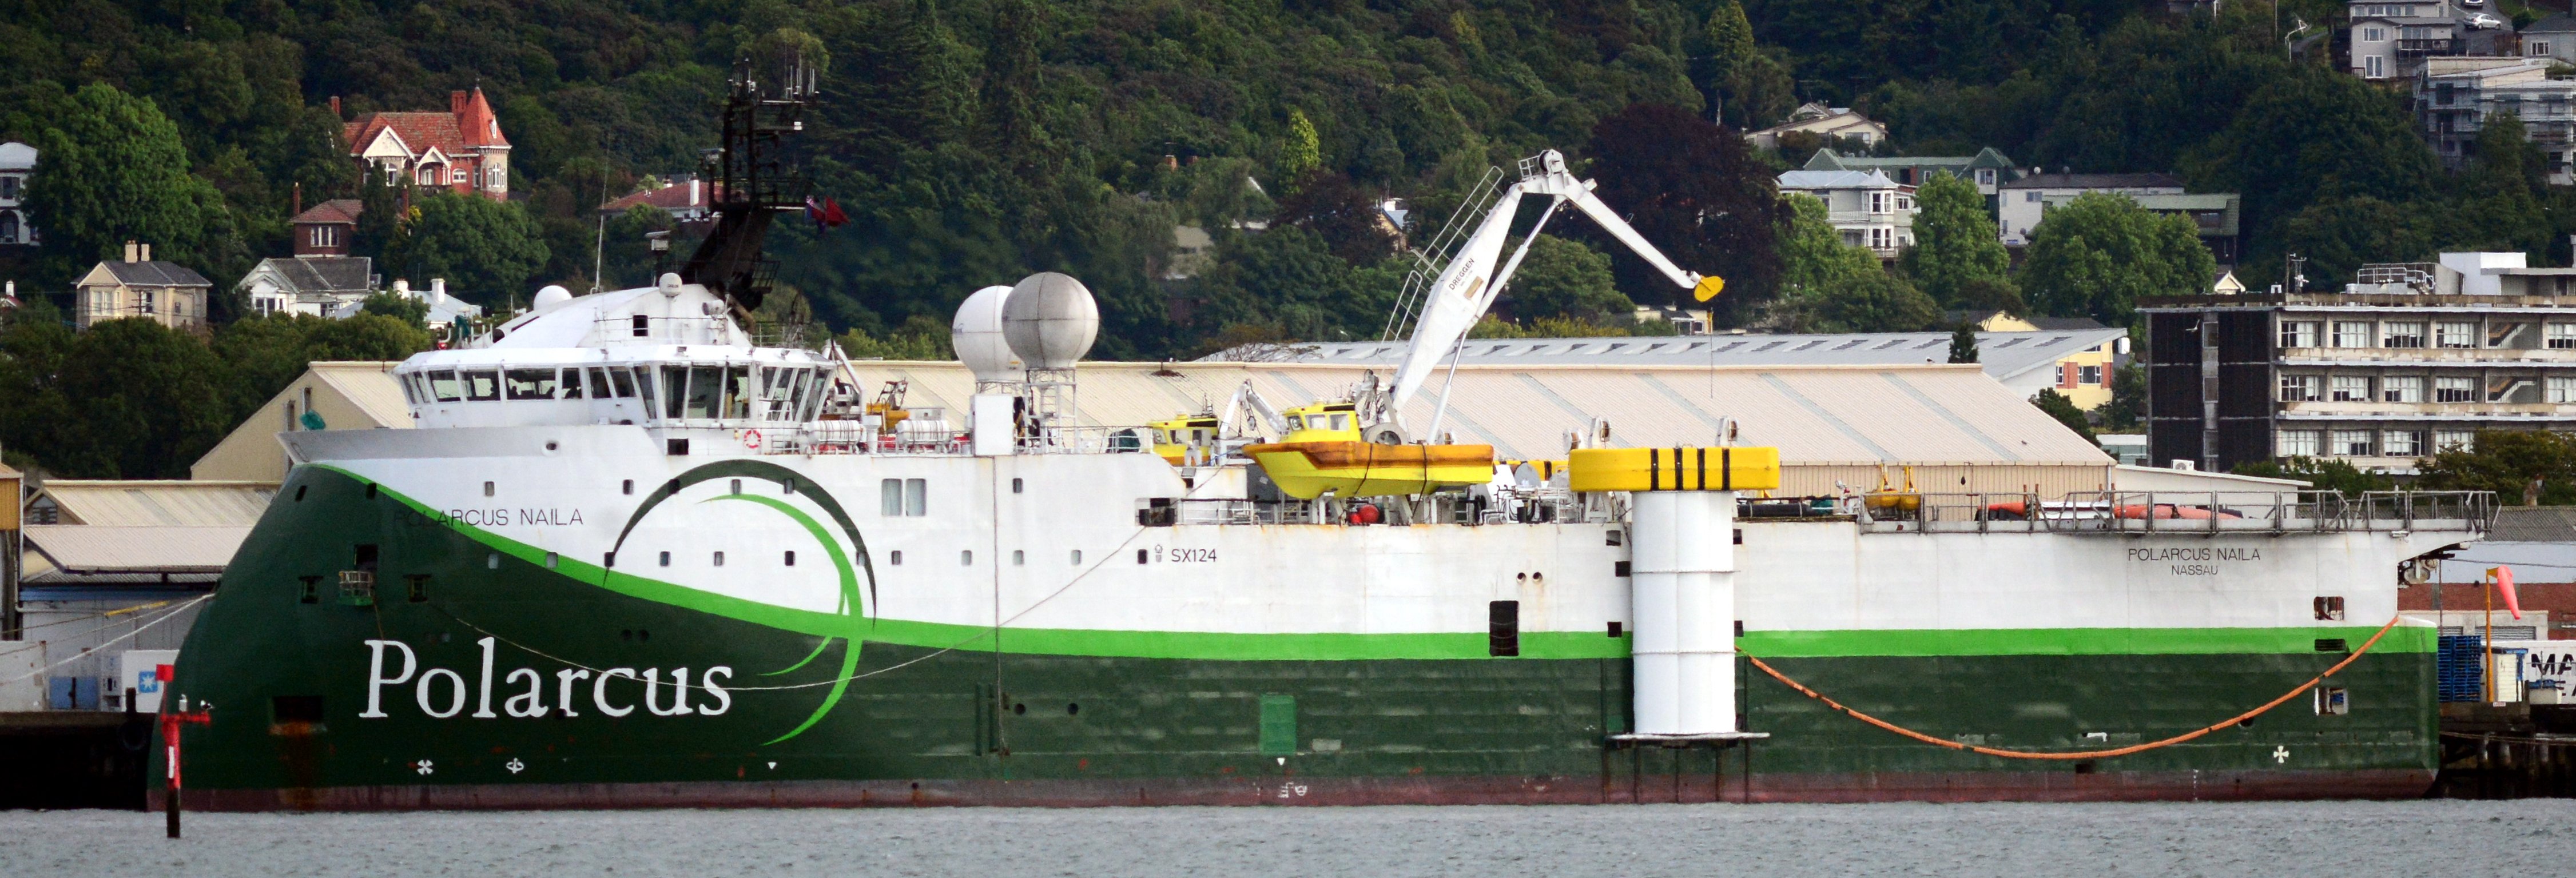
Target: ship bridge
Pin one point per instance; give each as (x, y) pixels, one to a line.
(668, 357)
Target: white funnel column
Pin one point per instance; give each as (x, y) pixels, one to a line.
(1682, 603)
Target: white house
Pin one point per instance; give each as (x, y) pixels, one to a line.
(2553, 37)
(315, 285)
(1824, 122)
(17, 163)
(2455, 97)
(2022, 203)
(1869, 209)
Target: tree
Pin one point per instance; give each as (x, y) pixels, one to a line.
(1342, 214)
(2507, 462)
(1829, 286)
(1955, 243)
(2098, 254)
(1696, 192)
(2128, 406)
(1303, 152)
(486, 248)
(150, 399)
(411, 311)
(115, 171)
(2324, 474)
(1289, 280)
(1963, 343)
(2064, 410)
(1563, 278)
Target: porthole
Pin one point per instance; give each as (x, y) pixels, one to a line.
(791, 557)
(1015, 486)
(299, 493)
(1019, 558)
(1019, 710)
(550, 445)
(719, 559)
(630, 486)
(1140, 556)
(1072, 709)
(966, 558)
(487, 489)
(492, 561)
(371, 490)
(666, 559)
(895, 557)
(1077, 556)
(734, 487)
(550, 560)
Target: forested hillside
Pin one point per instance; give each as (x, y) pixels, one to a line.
(975, 141)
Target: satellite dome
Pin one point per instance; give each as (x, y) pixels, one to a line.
(552, 294)
(1050, 320)
(977, 335)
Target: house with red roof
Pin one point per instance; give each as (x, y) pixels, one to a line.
(461, 149)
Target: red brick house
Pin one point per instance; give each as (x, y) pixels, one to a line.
(461, 149)
(326, 229)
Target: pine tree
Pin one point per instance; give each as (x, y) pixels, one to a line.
(1963, 343)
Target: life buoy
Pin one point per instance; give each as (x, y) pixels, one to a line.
(751, 439)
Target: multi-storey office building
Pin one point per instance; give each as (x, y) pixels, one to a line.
(2409, 359)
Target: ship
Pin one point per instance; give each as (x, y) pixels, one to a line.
(632, 557)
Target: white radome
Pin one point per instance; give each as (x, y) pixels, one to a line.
(1050, 320)
(977, 335)
(552, 295)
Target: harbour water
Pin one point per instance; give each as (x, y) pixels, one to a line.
(2527, 837)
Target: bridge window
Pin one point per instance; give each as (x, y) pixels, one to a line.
(481, 385)
(531, 383)
(643, 326)
(571, 382)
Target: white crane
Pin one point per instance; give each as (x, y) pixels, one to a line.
(1470, 283)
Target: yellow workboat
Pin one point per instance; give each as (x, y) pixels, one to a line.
(1323, 452)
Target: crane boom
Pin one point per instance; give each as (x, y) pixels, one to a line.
(1467, 287)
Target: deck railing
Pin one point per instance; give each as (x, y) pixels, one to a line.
(2179, 512)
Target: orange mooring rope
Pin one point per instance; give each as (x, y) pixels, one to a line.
(2088, 754)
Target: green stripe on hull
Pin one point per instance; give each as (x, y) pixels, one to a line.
(1922, 642)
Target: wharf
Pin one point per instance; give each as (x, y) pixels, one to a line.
(73, 759)
(2509, 751)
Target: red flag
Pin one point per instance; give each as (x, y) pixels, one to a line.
(832, 215)
(2504, 585)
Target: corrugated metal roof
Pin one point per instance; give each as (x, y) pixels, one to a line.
(120, 503)
(369, 385)
(2002, 354)
(1867, 415)
(92, 549)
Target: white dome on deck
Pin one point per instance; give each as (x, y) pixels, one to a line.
(976, 333)
(1050, 320)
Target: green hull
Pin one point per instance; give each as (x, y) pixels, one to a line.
(963, 722)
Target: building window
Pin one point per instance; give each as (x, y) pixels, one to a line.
(1985, 176)
(2401, 334)
(2374, 34)
(2088, 375)
(2374, 66)
(2352, 333)
(2296, 443)
(2299, 388)
(1882, 239)
(2562, 390)
(456, 175)
(2401, 443)
(2455, 334)
(1879, 201)
(2348, 443)
(2562, 336)
(2454, 440)
(2298, 333)
(2351, 388)
(148, 300)
(2455, 390)
(2406, 389)
(2538, 48)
